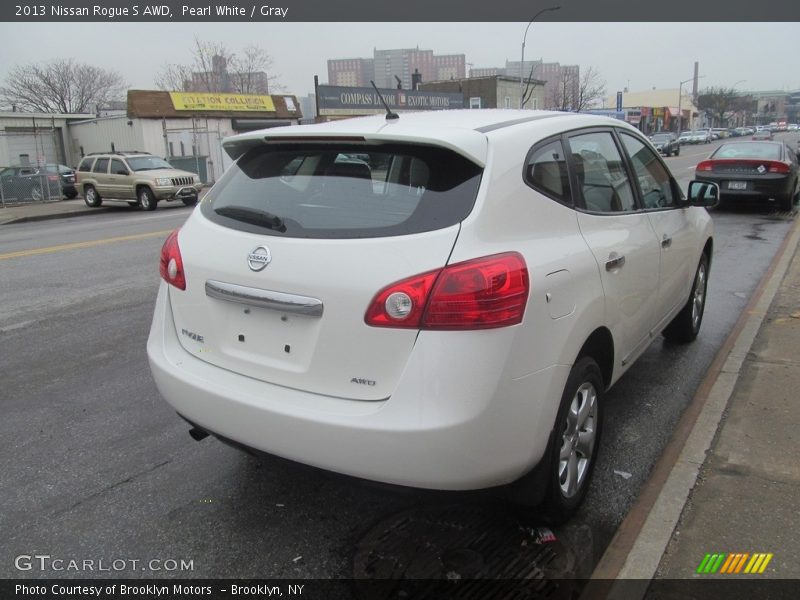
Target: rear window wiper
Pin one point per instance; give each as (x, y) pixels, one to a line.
(253, 216)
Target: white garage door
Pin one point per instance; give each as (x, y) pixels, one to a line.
(30, 148)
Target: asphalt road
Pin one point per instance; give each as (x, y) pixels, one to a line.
(95, 466)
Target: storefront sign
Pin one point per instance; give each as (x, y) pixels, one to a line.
(633, 116)
(337, 100)
(222, 102)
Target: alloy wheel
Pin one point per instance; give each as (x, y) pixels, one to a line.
(699, 298)
(578, 440)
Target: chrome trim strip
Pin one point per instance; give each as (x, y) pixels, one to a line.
(290, 303)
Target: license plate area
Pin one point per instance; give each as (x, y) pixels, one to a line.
(266, 338)
(737, 185)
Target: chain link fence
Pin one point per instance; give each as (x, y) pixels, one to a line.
(28, 184)
(31, 175)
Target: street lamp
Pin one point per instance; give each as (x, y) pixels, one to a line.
(680, 97)
(522, 58)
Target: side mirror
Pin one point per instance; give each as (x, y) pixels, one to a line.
(703, 193)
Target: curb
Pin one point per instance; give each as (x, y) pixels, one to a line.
(56, 215)
(74, 213)
(639, 544)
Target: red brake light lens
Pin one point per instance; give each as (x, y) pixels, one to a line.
(779, 167)
(704, 165)
(484, 293)
(773, 166)
(171, 264)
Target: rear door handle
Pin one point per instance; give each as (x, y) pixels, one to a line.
(615, 261)
(666, 241)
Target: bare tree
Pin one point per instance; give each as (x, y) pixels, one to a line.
(530, 86)
(61, 85)
(576, 93)
(175, 78)
(716, 101)
(250, 72)
(214, 68)
(591, 89)
(563, 91)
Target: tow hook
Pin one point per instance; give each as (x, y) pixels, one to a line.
(198, 434)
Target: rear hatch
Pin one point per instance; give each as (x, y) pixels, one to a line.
(287, 251)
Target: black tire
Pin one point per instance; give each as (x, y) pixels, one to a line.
(786, 202)
(686, 324)
(36, 193)
(575, 442)
(146, 199)
(71, 195)
(190, 201)
(91, 197)
(678, 151)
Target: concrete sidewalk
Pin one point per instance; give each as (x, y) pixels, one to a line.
(746, 497)
(729, 482)
(63, 209)
(41, 211)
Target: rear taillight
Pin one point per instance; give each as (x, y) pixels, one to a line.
(53, 177)
(483, 293)
(772, 166)
(704, 165)
(401, 304)
(779, 167)
(171, 264)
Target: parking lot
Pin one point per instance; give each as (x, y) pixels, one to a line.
(97, 467)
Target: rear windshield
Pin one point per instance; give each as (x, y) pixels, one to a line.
(57, 169)
(749, 150)
(322, 191)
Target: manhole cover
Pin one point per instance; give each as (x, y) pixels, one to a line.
(464, 551)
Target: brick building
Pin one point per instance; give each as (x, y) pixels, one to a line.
(387, 65)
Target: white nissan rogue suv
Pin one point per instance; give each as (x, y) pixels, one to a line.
(438, 300)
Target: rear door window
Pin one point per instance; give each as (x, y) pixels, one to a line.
(600, 172)
(326, 191)
(100, 166)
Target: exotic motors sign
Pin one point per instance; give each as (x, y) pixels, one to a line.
(336, 100)
(238, 102)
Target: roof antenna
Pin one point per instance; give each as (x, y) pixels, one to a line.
(389, 114)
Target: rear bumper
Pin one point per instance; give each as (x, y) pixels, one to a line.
(762, 188)
(461, 429)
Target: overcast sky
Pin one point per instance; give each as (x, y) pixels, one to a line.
(635, 55)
